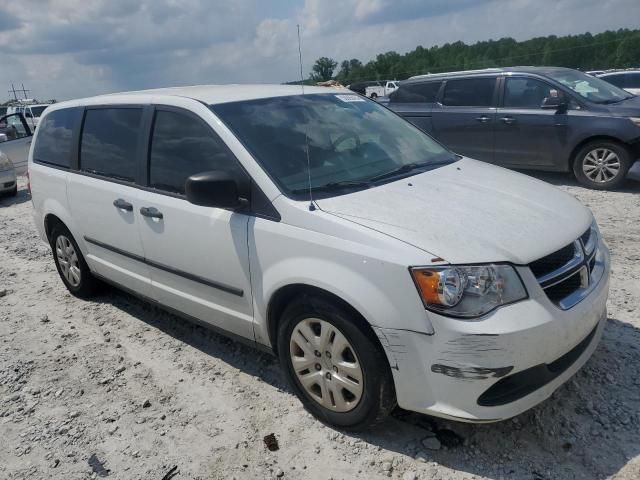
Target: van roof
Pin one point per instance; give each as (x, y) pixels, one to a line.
(210, 94)
(523, 69)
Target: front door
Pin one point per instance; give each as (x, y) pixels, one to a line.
(198, 256)
(15, 141)
(464, 119)
(103, 198)
(527, 135)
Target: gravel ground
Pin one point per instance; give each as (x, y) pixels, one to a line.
(116, 388)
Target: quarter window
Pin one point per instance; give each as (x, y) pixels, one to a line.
(53, 143)
(469, 92)
(109, 142)
(416, 93)
(526, 93)
(182, 146)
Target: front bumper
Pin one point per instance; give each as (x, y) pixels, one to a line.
(7, 180)
(447, 373)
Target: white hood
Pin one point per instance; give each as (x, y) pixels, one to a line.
(469, 212)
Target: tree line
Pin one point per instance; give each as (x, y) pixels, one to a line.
(610, 49)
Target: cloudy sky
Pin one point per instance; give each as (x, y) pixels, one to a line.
(73, 48)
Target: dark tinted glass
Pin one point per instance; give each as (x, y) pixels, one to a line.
(182, 146)
(416, 93)
(617, 80)
(525, 93)
(469, 92)
(633, 80)
(109, 142)
(53, 143)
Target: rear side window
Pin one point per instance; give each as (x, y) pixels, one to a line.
(182, 146)
(109, 142)
(469, 92)
(53, 143)
(416, 93)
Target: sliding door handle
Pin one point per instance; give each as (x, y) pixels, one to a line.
(123, 205)
(151, 212)
(508, 120)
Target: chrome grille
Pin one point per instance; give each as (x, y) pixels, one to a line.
(566, 275)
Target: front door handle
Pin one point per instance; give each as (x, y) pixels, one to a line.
(508, 120)
(123, 205)
(483, 119)
(151, 212)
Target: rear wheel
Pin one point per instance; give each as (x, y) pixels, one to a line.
(70, 263)
(335, 366)
(602, 165)
(374, 96)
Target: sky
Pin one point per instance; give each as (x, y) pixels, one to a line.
(75, 48)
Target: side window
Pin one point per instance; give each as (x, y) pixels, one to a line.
(633, 80)
(525, 93)
(53, 143)
(181, 146)
(109, 142)
(618, 80)
(469, 92)
(416, 93)
(14, 126)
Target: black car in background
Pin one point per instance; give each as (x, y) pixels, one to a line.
(543, 118)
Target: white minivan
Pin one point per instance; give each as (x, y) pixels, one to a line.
(381, 268)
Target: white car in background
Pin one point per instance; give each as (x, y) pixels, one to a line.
(8, 180)
(384, 89)
(15, 140)
(626, 79)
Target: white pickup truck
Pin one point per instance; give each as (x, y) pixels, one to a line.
(383, 89)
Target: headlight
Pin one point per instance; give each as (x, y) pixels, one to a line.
(590, 241)
(635, 120)
(5, 163)
(468, 291)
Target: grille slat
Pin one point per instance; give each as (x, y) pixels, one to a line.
(566, 271)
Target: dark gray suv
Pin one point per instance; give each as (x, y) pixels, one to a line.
(543, 118)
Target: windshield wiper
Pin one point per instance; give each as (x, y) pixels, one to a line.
(406, 168)
(334, 186)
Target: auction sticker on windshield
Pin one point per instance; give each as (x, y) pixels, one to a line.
(350, 98)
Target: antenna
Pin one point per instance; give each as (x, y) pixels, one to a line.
(312, 207)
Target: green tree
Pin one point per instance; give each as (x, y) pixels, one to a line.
(628, 52)
(323, 69)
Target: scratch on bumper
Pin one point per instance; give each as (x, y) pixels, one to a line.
(470, 373)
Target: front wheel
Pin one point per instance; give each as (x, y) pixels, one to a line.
(602, 165)
(335, 366)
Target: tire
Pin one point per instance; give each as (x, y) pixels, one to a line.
(75, 274)
(14, 192)
(602, 165)
(374, 96)
(353, 401)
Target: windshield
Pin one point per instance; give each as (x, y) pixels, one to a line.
(591, 88)
(351, 141)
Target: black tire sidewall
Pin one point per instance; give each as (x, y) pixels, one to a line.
(625, 164)
(88, 283)
(378, 391)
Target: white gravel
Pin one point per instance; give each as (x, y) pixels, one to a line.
(116, 388)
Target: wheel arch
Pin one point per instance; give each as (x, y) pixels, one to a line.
(283, 296)
(582, 143)
(50, 221)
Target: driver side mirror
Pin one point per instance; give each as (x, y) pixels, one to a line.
(554, 103)
(215, 189)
